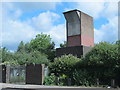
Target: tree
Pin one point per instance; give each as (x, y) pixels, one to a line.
(117, 52)
(41, 43)
(33, 57)
(7, 57)
(21, 57)
(21, 47)
(118, 62)
(63, 45)
(102, 54)
(102, 62)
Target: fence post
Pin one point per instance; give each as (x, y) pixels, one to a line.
(97, 81)
(113, 82)
(2, 74)
(7, 73)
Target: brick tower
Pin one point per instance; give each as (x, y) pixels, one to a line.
(80, 33)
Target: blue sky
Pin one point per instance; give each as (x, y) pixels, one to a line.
(22, 21)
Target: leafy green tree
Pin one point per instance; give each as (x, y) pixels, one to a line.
(102, 54)
(118, 52)
(7, 57)
(33, 57)
(41, 43)
(21, 47)
(101, 62)
(63, 44)
(118, 62)
(38, 58)
(28, 47)
(21, 58)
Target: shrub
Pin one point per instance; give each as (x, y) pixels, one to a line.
(63, 68)
(54, 80)
(64, 65)
(83, 77)
(50, 80)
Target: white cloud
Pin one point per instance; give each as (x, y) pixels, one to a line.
(110, 29)
(98, 9)
(14, 10)
(44, 21)
(108, 32)
(58, 34)
(10, 12)
(34, 6)
(92, 8)
(16, 31)
(110, 10)
(98, 36)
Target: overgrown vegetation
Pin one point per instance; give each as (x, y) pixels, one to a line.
(97, 67)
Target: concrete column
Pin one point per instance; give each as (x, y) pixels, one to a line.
(7, 74)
